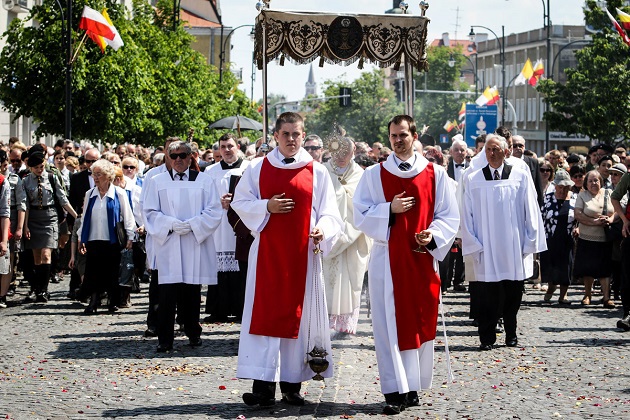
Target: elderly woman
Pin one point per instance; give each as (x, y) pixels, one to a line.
(558, 218)
(130, 168)
(103, 207)
(594, 211)
(44, 194)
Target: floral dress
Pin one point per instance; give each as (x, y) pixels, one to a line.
(558, 219)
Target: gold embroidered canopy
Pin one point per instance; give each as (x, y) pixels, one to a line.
(302, 37)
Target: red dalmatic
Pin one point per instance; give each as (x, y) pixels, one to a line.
(283, 253)
(416, 284)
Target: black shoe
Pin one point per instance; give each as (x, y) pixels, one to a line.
(163, 348)
(150, 332)
(3, 302)
(30, 298)
(412, 399)
(624, 323)
(392, 409)
(293, 398)
(41, 298)
(54, 279)
(512, 342)
(194, 342)
(486, 347)
(112, 309)
(254, 398)
(90, 311)
(459, 288)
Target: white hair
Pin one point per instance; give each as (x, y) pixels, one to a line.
(500, 139)
(459, 142)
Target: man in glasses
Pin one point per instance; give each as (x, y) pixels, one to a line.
(313, 144)
(15, 157)
(182, 211)
(288, 202)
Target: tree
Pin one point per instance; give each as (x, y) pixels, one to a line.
(434, 109)
(595, 100)
(156, 85)
(367, 118)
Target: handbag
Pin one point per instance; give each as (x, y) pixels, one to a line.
(126, 270)
(613, 230)
(121, 234)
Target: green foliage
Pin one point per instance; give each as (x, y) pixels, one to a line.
(366, 120)
(434, 109)
(155, 86)
(595, 100)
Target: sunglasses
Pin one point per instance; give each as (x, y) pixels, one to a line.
(182, 155)
(577, 176)
(16, 160)
(129, 166)
(310, 148)
(545, 170)
(90, 160)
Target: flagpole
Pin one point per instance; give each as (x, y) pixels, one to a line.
(68, 130)
(76, 53)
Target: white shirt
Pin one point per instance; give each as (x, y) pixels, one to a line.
(99, 229)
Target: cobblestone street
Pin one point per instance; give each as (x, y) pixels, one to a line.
(56, 363)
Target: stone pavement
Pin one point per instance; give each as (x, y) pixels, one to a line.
(56, 363)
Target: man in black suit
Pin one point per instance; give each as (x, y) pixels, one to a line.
(454, 260)
(518, 147)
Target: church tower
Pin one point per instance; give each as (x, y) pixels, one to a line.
(311, 85)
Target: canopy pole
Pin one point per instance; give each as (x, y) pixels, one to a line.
(409, 92)
(264, 77)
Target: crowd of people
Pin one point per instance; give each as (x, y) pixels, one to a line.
(285, 232)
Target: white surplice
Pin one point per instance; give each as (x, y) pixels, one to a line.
(189, 258)
(275, 359)
(501, 224)
(409, 370)
(345, 265)
(148, 241)
(224, 237)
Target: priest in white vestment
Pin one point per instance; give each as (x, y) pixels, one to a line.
(501, 229)
(226, 298)
(182, 211)
(345, 264)
(288, 202)
(407, 206)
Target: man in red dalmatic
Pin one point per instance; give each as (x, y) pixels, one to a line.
(288, 202)
(408, 207)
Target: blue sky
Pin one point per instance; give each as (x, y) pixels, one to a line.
(516, 15)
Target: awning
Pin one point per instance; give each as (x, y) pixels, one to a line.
(302, 37)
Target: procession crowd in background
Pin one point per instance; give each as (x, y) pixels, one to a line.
(105, 221)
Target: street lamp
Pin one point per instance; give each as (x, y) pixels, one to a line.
(224, 43)
(451, 63)
(547, 24)
(501, 42)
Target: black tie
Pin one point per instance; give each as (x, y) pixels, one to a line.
(286, 161)
(459, 165)
(404, 166)
(496, 175)
(180, 175)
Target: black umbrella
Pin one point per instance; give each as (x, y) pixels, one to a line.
(238, 123)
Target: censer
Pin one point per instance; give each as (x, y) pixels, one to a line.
(317, 361)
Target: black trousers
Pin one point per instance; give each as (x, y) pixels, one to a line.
(186, 299)
(268, 389)
(227, 297)
(625, 275)
(154, 301)
(496, 299)
(456, 266)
